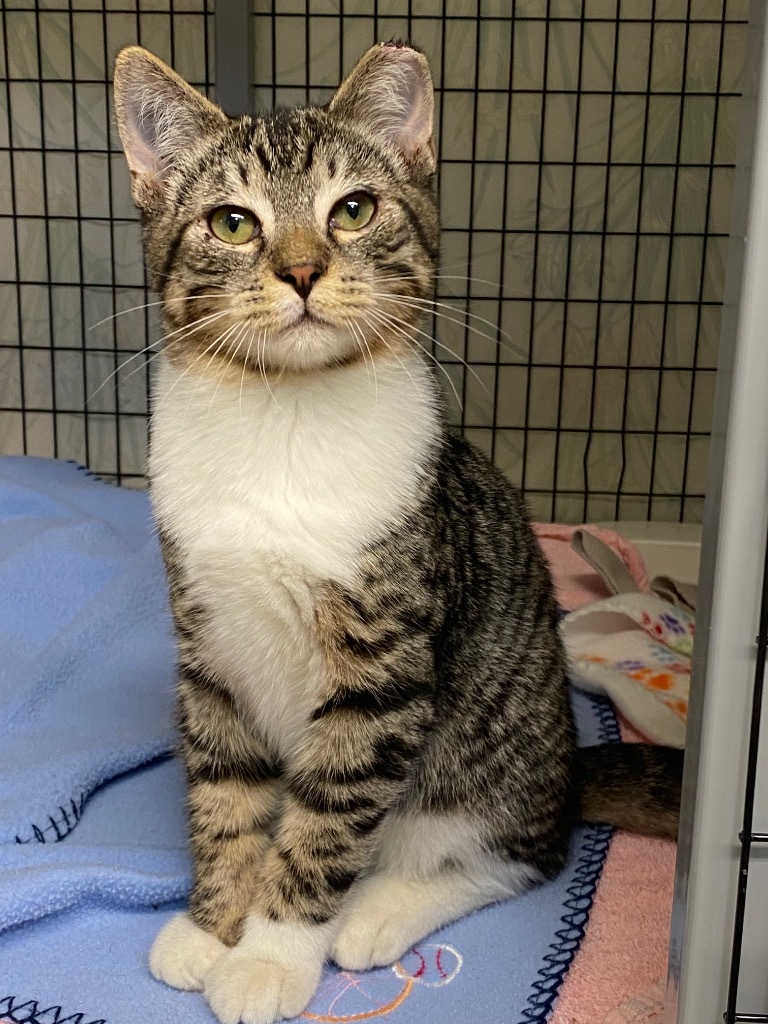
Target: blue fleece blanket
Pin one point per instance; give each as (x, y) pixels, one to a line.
(86, 668)
(86, 655)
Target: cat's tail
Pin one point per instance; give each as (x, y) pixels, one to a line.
(635, 786)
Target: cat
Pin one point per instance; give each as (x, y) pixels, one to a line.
(373, 708)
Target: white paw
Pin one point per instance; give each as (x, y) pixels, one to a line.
(375, 928)
(182, 954)
(242, 988)
(371, 942)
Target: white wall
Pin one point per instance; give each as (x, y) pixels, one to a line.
(733, 549)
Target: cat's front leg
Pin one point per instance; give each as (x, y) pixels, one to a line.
(350, 772)
(323, 843)
(232, 795)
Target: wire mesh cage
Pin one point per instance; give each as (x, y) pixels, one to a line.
(586, 152)
(71, 241)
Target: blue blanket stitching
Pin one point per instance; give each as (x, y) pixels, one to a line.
(89, 472)
(29, 1012)
(581, 891)
(60, 827)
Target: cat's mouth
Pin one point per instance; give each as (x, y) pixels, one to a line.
(310, 318)
(307, 318)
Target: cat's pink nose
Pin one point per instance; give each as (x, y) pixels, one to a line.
(302, 277)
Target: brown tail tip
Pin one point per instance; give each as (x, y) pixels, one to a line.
(634, 786)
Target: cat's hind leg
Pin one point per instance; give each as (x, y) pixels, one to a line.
(431, 869)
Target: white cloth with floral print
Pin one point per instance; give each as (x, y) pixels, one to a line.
(636, 649)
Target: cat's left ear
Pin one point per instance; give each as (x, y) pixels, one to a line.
(390, 92)
(159, 117)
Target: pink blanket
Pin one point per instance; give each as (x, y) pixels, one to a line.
(618, 975)
(576, 583)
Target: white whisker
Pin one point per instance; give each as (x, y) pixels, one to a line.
(448, 277)
(138, 369)
(217, 341)
(159, 302)
(390, 349)
(245, 367)
(430, 306)
(235, 349)
(195, 325)
(373, 364)
(260, 360)
(187, 330)
(387, 320)
(362, 343)
(442, 345)
(122, 366)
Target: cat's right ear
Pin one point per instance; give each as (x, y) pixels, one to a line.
(159, 116)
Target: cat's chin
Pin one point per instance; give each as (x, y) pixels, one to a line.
(312, 344)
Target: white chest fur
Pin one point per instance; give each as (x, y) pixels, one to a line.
(270, 493)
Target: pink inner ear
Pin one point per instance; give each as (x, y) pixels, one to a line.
(158, 114)
(140, 107)
(414, 97)
(390, 93)
(142, 159)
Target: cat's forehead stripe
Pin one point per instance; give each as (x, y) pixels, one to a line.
(280, 140)
(310, 154)
(263, 159)
(288, 140)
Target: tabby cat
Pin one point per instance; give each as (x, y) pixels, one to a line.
(372, 699)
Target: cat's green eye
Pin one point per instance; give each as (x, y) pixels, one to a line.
(353, 212)
(233, 225)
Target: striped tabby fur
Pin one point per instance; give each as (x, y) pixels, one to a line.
(373, 710)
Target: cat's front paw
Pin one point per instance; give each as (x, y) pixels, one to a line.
(242, 989)
(375, 929)
(182, 954)
(271, 974)
(370, 942)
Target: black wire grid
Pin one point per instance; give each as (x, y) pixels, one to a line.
(70, 245)
(586, 159)
(748, 838)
